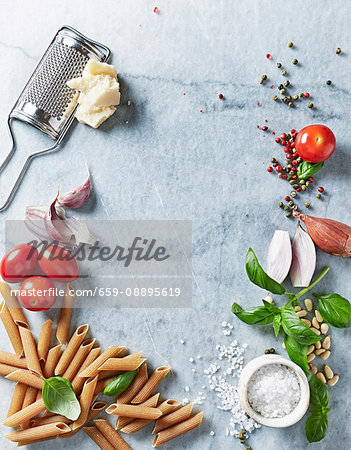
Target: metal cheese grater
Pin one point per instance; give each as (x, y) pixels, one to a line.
(44, 101)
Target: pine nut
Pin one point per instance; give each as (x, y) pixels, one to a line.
(308, 304)
(318, 316)
(334, 380)
(328, 372)
(297, 308)
(319, 351)
(315, 330)
(310, 357)
(325, 355)
(324, 328)
(318, 344)
(321, 377)
(314, 369)
(306, 322)
(283, 345)
(310, 349)
(326, 342)
(302, 313)
(269, 299)
(315, 323)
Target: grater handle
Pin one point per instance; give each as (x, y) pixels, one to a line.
(25, 165)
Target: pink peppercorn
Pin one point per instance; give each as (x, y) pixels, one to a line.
(269, 169)
(277, 140)
(298, 189)
(311, 179)
(283, 143)
(307, 95)
(293, 131)
(264, 128)
(320, 189)
(294, 162)
(220, 96)
(292, 145)
(278, 168)
(287, 198)
(284, 176)
(283, 136)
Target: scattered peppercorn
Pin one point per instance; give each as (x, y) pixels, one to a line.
(272, 350)
(291, 203)
(279, 65)
(284, 72)
(264, 128)
(320, 189)
(242, 441)
(282, 91)
(318, 196)
(277, 140)
(284, 99)
(338, 51)
(290, 44)
(275, 97)
(280, 87)
(269, 169)
(310, 104)
(220, 96)
(296, 97)
(248, 447)
(287, 83)
(273, 160)
(290, 104)
(328, 82)
(280, 204)
(261, 81)
(306, 94)
(294, 61)
(264, 77)
(303, 187)
(307, 205)
(302, 94)
(288, 214)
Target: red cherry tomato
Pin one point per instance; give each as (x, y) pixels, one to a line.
(58, 264)
(37, 294)
(315, 143)
(19, 263)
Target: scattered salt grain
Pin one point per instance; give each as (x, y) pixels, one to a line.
(187, 389)
(191, 360)
(212, 433)
(182, 341)
(185, 401)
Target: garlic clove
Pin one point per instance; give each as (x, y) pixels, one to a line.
(279, 256)
(303, 258)
(34, 221)
(76, 197)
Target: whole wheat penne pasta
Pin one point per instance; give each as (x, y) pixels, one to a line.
(98, 438)
(51, 419)
(137, 424)
(101, 384)
(12, 303)
(12, 360)
(138, 382)
(17, 399)
(177, 430)
(11, 329)
(136, 411)
(78, 359)
(36, 441)
(150, 402)
(30, 350)
(78, 382)
(26, 377)
(122, 364)
(71, 349)
(155, 379)
(6, 369)
(25, 414)
(29, 399)
(39, 396)
(111, 435)
(85, 402)
(51, 361)
(65, 315)
(108, 374)
(177, 416)
(91, 370)
(44, 340)
(44, 431)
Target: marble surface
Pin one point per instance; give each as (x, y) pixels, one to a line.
(170, 161)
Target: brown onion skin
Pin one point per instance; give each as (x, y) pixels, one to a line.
(329, 235)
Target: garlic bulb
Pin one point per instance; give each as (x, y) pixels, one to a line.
(303, 258)
(279, 256)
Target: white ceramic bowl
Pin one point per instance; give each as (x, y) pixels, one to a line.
(279, 422)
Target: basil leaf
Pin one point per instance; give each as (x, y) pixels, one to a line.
(277, 320)
(259, 277)
(294, 327)
(60, 398)
(120, 384)
(274, 309)
(307, 169)
(258, 315)
(335, 310)
(297, 352)
(319, 393)
(316, 426)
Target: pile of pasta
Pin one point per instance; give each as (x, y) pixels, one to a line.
(89, 370)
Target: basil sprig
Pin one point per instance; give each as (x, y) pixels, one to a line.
(317, 423)
(120, 383)
(307, 169)
(297, 352)
(335, 310)
(259, 277)
(295, 328)
(258, 315)
(60, 398)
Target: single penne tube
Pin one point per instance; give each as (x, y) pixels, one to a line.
(177, 430)
(25, 414)
(44, 340)
(51, 361)
(71, 349)
(111, 435)
(78, 382)
(51, 419)
(36, 441)
(91, 370)
(138, 382)
(12, 360)
(17, 399)
(98, 438)
(177, 416)
(11, 329)
(85, 401)
(122, 364)
(29, 399)
(78, 359)
(14, 307)
(136, 411)
(26, 377)
(155, 379)
(65, 315)
(137, 424)
(30, 350)
(41, 432)
(150, 402)
(6, 369)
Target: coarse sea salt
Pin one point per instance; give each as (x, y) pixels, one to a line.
(274, 390)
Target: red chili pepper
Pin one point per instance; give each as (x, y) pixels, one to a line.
(269, 169)
(320, 189)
